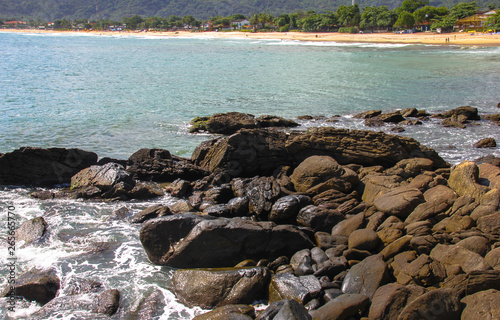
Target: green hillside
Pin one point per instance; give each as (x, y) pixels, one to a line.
(49, 10)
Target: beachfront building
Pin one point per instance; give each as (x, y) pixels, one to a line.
(474, 22)
(240, 23)
(14, 24)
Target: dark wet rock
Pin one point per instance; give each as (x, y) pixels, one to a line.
(391, 117)
(464, 180)
(80, 286)
(120, 214)
(289, 286)
(470, 113)
(343, 307)
(397, 129)
(400, 201)
(320, 218)
(210, 288)
(43, 167)
(364, 239)
(287, 309)
(150, 307)
(482, 305)
(368, 114)
(302, 262)
(262, 193)
(251, 152)
(178, 188)
(156, 211)
(218, 210)
(104, 177)
(229, 312)
(238, 206)
(374, 122)
(31, 231)
(457, 122)
(411, 122)
(389, 300)
(247, 153)
(439, 303)
(287, 208)
(108, 302)
(83, 306)
(486, 143)
(35, 285)
(455, 255)
(366, 277)
(159, 165)
(230, 241)
(320, 173)
(267, 121)
(229, 123)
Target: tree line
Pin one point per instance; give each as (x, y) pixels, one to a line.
(347, 18)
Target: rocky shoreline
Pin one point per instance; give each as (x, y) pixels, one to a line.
(324, 224)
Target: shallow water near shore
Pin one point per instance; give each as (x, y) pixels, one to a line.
(115, 95)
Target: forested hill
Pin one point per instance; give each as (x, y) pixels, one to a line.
(49, 10)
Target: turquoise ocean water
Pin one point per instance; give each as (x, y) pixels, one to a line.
(116, 94)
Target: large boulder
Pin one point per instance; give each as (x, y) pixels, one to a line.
(189, 241)
(210, 288)
(390, 300)
(456, 255)
(435, 304)
(32, 230)
(43, 167)
(367, 148)
(35, 285)
(247, 153)
(320, 173)
(159, 165)
(482, 305)
(366, 277)
(251, 152)
(468, 112)
(400, 201)
(103, 177)
(229, 123)
(464, 180)
(289, 286)
(84, 306)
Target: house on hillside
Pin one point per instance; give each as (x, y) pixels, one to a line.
(474, 22)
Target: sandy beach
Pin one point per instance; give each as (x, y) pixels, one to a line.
(428, 38)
